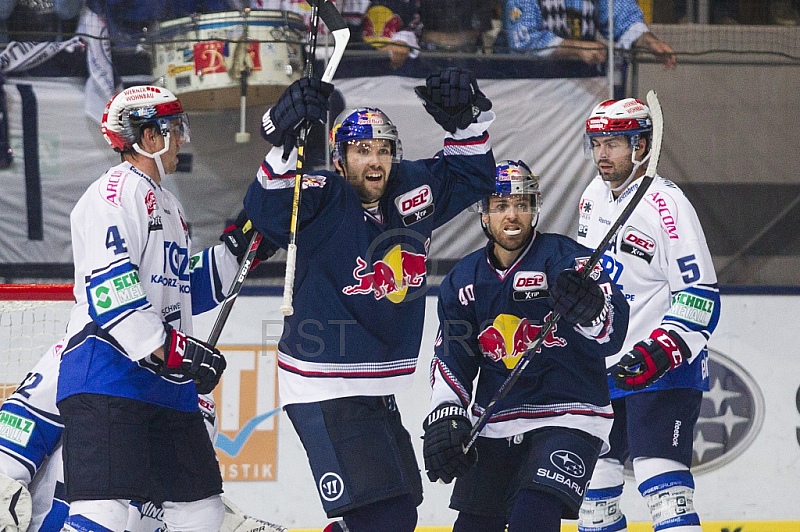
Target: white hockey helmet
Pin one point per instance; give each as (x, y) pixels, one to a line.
(136, 106)
(363, 123)
(629, 117)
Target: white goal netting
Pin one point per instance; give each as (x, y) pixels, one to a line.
(32, 318)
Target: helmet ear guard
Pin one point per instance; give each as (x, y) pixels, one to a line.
(363, 123)
(135, 107)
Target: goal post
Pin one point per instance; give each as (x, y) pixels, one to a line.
(32, 318)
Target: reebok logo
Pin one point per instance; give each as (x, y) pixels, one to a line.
(676, 433)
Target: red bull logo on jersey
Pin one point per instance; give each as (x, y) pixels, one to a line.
(391, 276)
(508, 337)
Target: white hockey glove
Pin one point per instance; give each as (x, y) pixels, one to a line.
(237, 521)
(15, 505)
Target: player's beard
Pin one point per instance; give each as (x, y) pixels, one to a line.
(618, 172)
(369, 191)
(512, 243)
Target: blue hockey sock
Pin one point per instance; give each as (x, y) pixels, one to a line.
(479, 523)
(393, 515)
(536, 511)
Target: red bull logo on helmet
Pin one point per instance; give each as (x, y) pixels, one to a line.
(509, 337)
(391, 276)
(507, 173)
(368, 118)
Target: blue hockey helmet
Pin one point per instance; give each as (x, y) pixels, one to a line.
(511, 178)
(363, 123)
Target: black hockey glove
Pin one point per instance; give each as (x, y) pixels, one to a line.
(237, 239)
(578, 300)
(447, 429)
(649, 360)
(193, 358)
(451, 96)
(304, 100)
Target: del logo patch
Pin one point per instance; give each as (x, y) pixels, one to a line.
(415, 204)
(530, 285)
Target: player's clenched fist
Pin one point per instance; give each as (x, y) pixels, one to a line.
(193, 358)
(452, 97)
(649, 360)
(447, 430)
(305, 100)
(578, 300)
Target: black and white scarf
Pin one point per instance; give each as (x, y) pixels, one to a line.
(568, 22)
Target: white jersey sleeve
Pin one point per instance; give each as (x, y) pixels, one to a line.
(659, 259)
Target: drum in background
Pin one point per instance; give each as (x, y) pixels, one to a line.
(201, 58)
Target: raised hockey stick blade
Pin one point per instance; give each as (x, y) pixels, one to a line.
(652, 165)
(236, 287)
(341, 35)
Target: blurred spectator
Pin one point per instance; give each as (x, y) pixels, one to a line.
(132, 18)
(720, 12)
(394, 26)
(454, 25)
(784, 12)
(38, 20)
(567, 29)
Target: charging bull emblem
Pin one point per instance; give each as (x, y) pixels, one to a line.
(509, 336)
(391, 277)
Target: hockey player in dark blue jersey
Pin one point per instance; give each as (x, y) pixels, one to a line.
(537, 452)
(364, 237)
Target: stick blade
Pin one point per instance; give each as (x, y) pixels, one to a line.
(658, 132)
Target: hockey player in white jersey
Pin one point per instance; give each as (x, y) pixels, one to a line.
(131, 370)
(31, 459)
(660, 260)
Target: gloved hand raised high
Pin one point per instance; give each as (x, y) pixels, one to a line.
(193, 358)
(447, 430)
(237, 239)
(305, 100)
(579, 300)
(451, 96)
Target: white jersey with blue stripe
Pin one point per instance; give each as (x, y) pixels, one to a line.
(661, 262)
(30, 447)
(133, 273)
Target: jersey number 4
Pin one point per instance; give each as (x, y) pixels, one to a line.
(115, 240)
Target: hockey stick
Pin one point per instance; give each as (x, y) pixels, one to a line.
(594, 258)
(341, 35)
(236, 286)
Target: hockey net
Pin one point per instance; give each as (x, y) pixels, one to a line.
(32, 318)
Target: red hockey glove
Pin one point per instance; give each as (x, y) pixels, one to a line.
(649, 360)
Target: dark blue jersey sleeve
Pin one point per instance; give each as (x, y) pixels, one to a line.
(462, 174)
(457, 355)
(268, 202)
